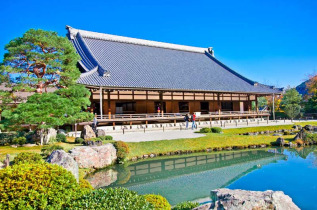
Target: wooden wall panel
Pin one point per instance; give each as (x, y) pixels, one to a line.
(140, 107)
(175, 107)
(236, 106)
(169, 108)
(150, 107)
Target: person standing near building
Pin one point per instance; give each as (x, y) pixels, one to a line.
(186, 118)
(194, 121)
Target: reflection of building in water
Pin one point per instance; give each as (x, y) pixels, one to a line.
(192, 177)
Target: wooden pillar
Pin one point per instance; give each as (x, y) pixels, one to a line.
(256, 104)
(273, 108)
(146, 101)
(101, 102)
(249, 104)
(109, 107)
(161, 101)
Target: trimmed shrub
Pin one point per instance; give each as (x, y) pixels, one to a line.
(204, 130)
(60, 137)
(122, 150)
(187, 205)
(47, 150)
(37, 186)
(85, 186)
(19, 140)
(111, 198)
(105, 138)
(79, 140)
(28, 157)
(7, 138)
(216, 130)
(310, 138)
(158, 201)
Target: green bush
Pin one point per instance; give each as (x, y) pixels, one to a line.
(19, 140)
(158, 201)
(204, 130)
(187, 205)
(28, 157)
(216, 130)
(60, 137)
(79, 140)
(37, 186)
(7, 138)
(310, 138)
(105, 138)
(47, 150)
(111, 198)
(122, 150)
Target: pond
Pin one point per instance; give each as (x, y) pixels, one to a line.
(192, 177)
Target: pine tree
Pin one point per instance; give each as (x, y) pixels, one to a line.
(34, 62)
(38, 60)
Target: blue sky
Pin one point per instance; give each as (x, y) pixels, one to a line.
(270, 41)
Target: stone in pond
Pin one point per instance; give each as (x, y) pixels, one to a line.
(250, 200)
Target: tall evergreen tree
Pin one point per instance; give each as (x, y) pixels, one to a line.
(37, 60)
(291, 103)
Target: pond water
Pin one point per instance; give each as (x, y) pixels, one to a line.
(191, 178)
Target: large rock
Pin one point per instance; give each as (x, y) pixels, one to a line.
(60, 157)
(94, 157)
(309, 127)
(300, 135)
(250, 200)
(102, 178)
(101, 132)
(280, 141)
(51, 135)
(87, 133)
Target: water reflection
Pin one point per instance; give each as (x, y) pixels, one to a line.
(184, 178)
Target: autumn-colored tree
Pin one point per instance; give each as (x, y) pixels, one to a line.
(311, 97)
(311, 85)
(277, 102)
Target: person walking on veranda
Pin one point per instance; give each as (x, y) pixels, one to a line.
(193, 121)
(186, 118)
(95, 123)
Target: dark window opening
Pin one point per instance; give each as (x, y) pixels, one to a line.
(183, 107)
(125, 108)
(158, 106)
(227, 106)
(204, 107)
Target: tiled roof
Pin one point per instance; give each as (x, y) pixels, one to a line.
(115, 61)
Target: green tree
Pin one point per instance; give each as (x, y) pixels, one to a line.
(49, 110)
(291, 103)
(34, 62)
(37, 60)
(262, 102)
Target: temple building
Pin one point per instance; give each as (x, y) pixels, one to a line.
(136, 76)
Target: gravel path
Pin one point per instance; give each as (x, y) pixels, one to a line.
(155, 135)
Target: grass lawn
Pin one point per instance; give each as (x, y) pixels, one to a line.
(265, 128)
(37, 149)
(211, 140)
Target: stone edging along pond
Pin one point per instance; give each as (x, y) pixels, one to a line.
(279, 142)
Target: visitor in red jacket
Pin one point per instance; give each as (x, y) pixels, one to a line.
(194, 121)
